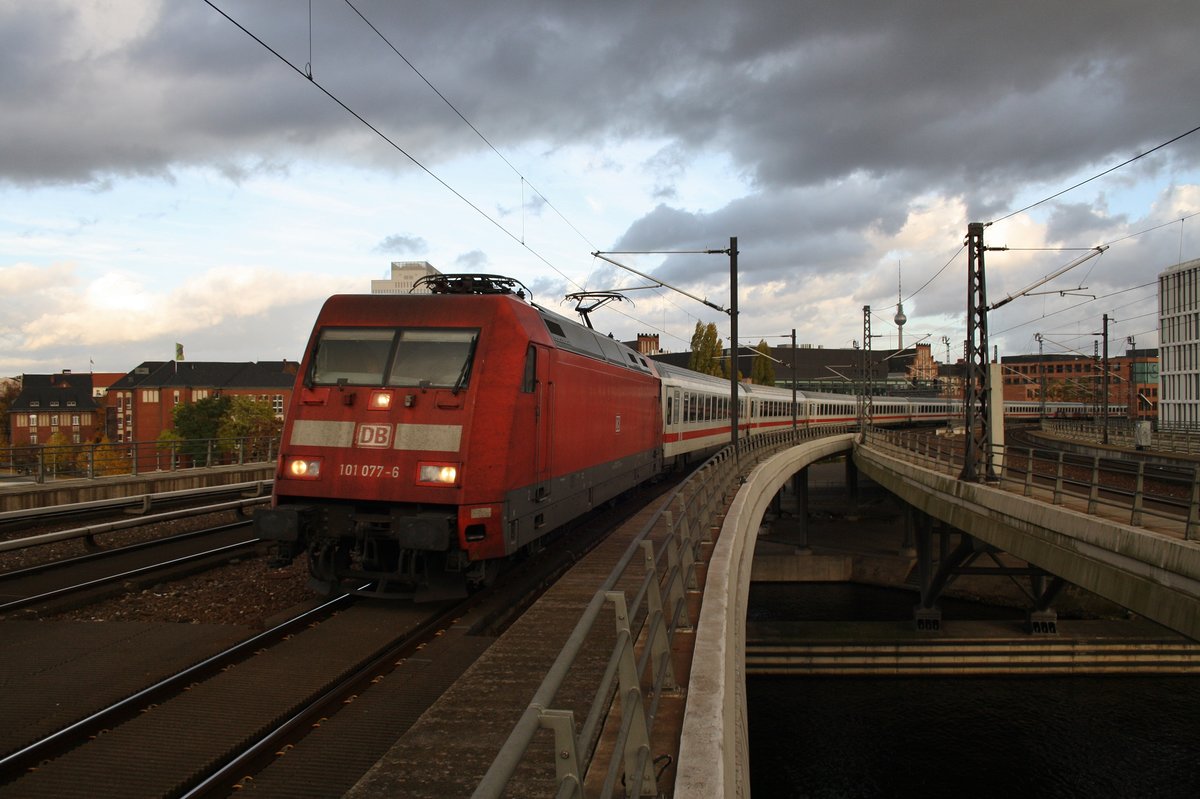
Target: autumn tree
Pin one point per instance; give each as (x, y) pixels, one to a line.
(9, 389)
(707, 351)
(253, 421)
(106, 459)
(762, 371)
(58, 454)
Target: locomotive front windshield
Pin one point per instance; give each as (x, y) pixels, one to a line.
(416, 357)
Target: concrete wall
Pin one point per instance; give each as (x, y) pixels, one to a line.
(714, 748)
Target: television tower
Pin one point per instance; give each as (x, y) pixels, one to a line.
(899, 318)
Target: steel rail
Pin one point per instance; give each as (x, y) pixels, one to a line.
(124, 524)
(258, 487)
(112, 578)
(46, 747)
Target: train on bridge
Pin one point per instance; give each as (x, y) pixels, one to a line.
(430, 437)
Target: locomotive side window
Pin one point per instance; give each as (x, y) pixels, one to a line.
(529, 381)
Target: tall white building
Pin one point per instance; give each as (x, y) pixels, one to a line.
(404, 275)
(1179, 345)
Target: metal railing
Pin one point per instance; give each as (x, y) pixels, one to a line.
(44, 462)
(1121, 433)
(1131, 490)
(669, 545)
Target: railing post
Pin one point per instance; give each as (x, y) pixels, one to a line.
(1193, 522)
(566, 750)
(208, 456)
(638, 740)
(1135, 518)
(1058, 479)
(660, 643)
(1029, 474)
(1094, 493)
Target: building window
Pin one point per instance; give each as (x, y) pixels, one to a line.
(33, 437)
(75, 420)
(277, 404)
(176, 397)
(200, 393)
(150, 395)
(75, 438)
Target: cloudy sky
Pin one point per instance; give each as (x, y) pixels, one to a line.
(164, 177)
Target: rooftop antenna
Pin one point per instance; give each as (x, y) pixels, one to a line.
(900, 318)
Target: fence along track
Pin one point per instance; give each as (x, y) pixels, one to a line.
(648, 623)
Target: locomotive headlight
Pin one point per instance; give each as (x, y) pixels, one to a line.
(437, 473)
(380, 400)
(302, 468)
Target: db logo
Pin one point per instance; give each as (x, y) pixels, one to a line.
(374, 435)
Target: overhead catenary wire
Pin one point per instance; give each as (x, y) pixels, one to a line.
(392, 143)
(1094, 177)
(479, 133)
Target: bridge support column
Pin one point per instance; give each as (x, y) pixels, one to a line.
(800, 489)
(926, 615)
(908, 547)
(851, 483)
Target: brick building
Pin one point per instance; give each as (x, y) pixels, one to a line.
(1132, 380)
(141, 404)
(58, 403)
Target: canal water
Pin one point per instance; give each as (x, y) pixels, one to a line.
(1092, 737)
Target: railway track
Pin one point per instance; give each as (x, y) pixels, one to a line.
(206, 738)
(71, 581)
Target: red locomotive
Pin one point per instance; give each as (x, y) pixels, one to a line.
(431, 434)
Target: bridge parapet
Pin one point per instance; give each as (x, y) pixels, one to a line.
(714, 748)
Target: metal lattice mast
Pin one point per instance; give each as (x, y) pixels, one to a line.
(977, 461)
(866, 414)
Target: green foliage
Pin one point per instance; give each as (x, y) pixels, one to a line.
(197, 422)
(252, 420)
(762, 372)
(200, 419)
(707, 351)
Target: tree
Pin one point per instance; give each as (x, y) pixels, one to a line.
(762, 372)
(252, 420)
(9, 389)
(198, 421)
(707, 351)
(58, 454)
(107, 458)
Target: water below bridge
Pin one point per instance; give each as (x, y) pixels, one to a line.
(1076, 736)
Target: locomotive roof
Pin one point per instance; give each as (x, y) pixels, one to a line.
(574, 337)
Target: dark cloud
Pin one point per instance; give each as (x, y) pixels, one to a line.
(798, 94)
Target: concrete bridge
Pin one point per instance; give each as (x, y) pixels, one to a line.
(1154, 571)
